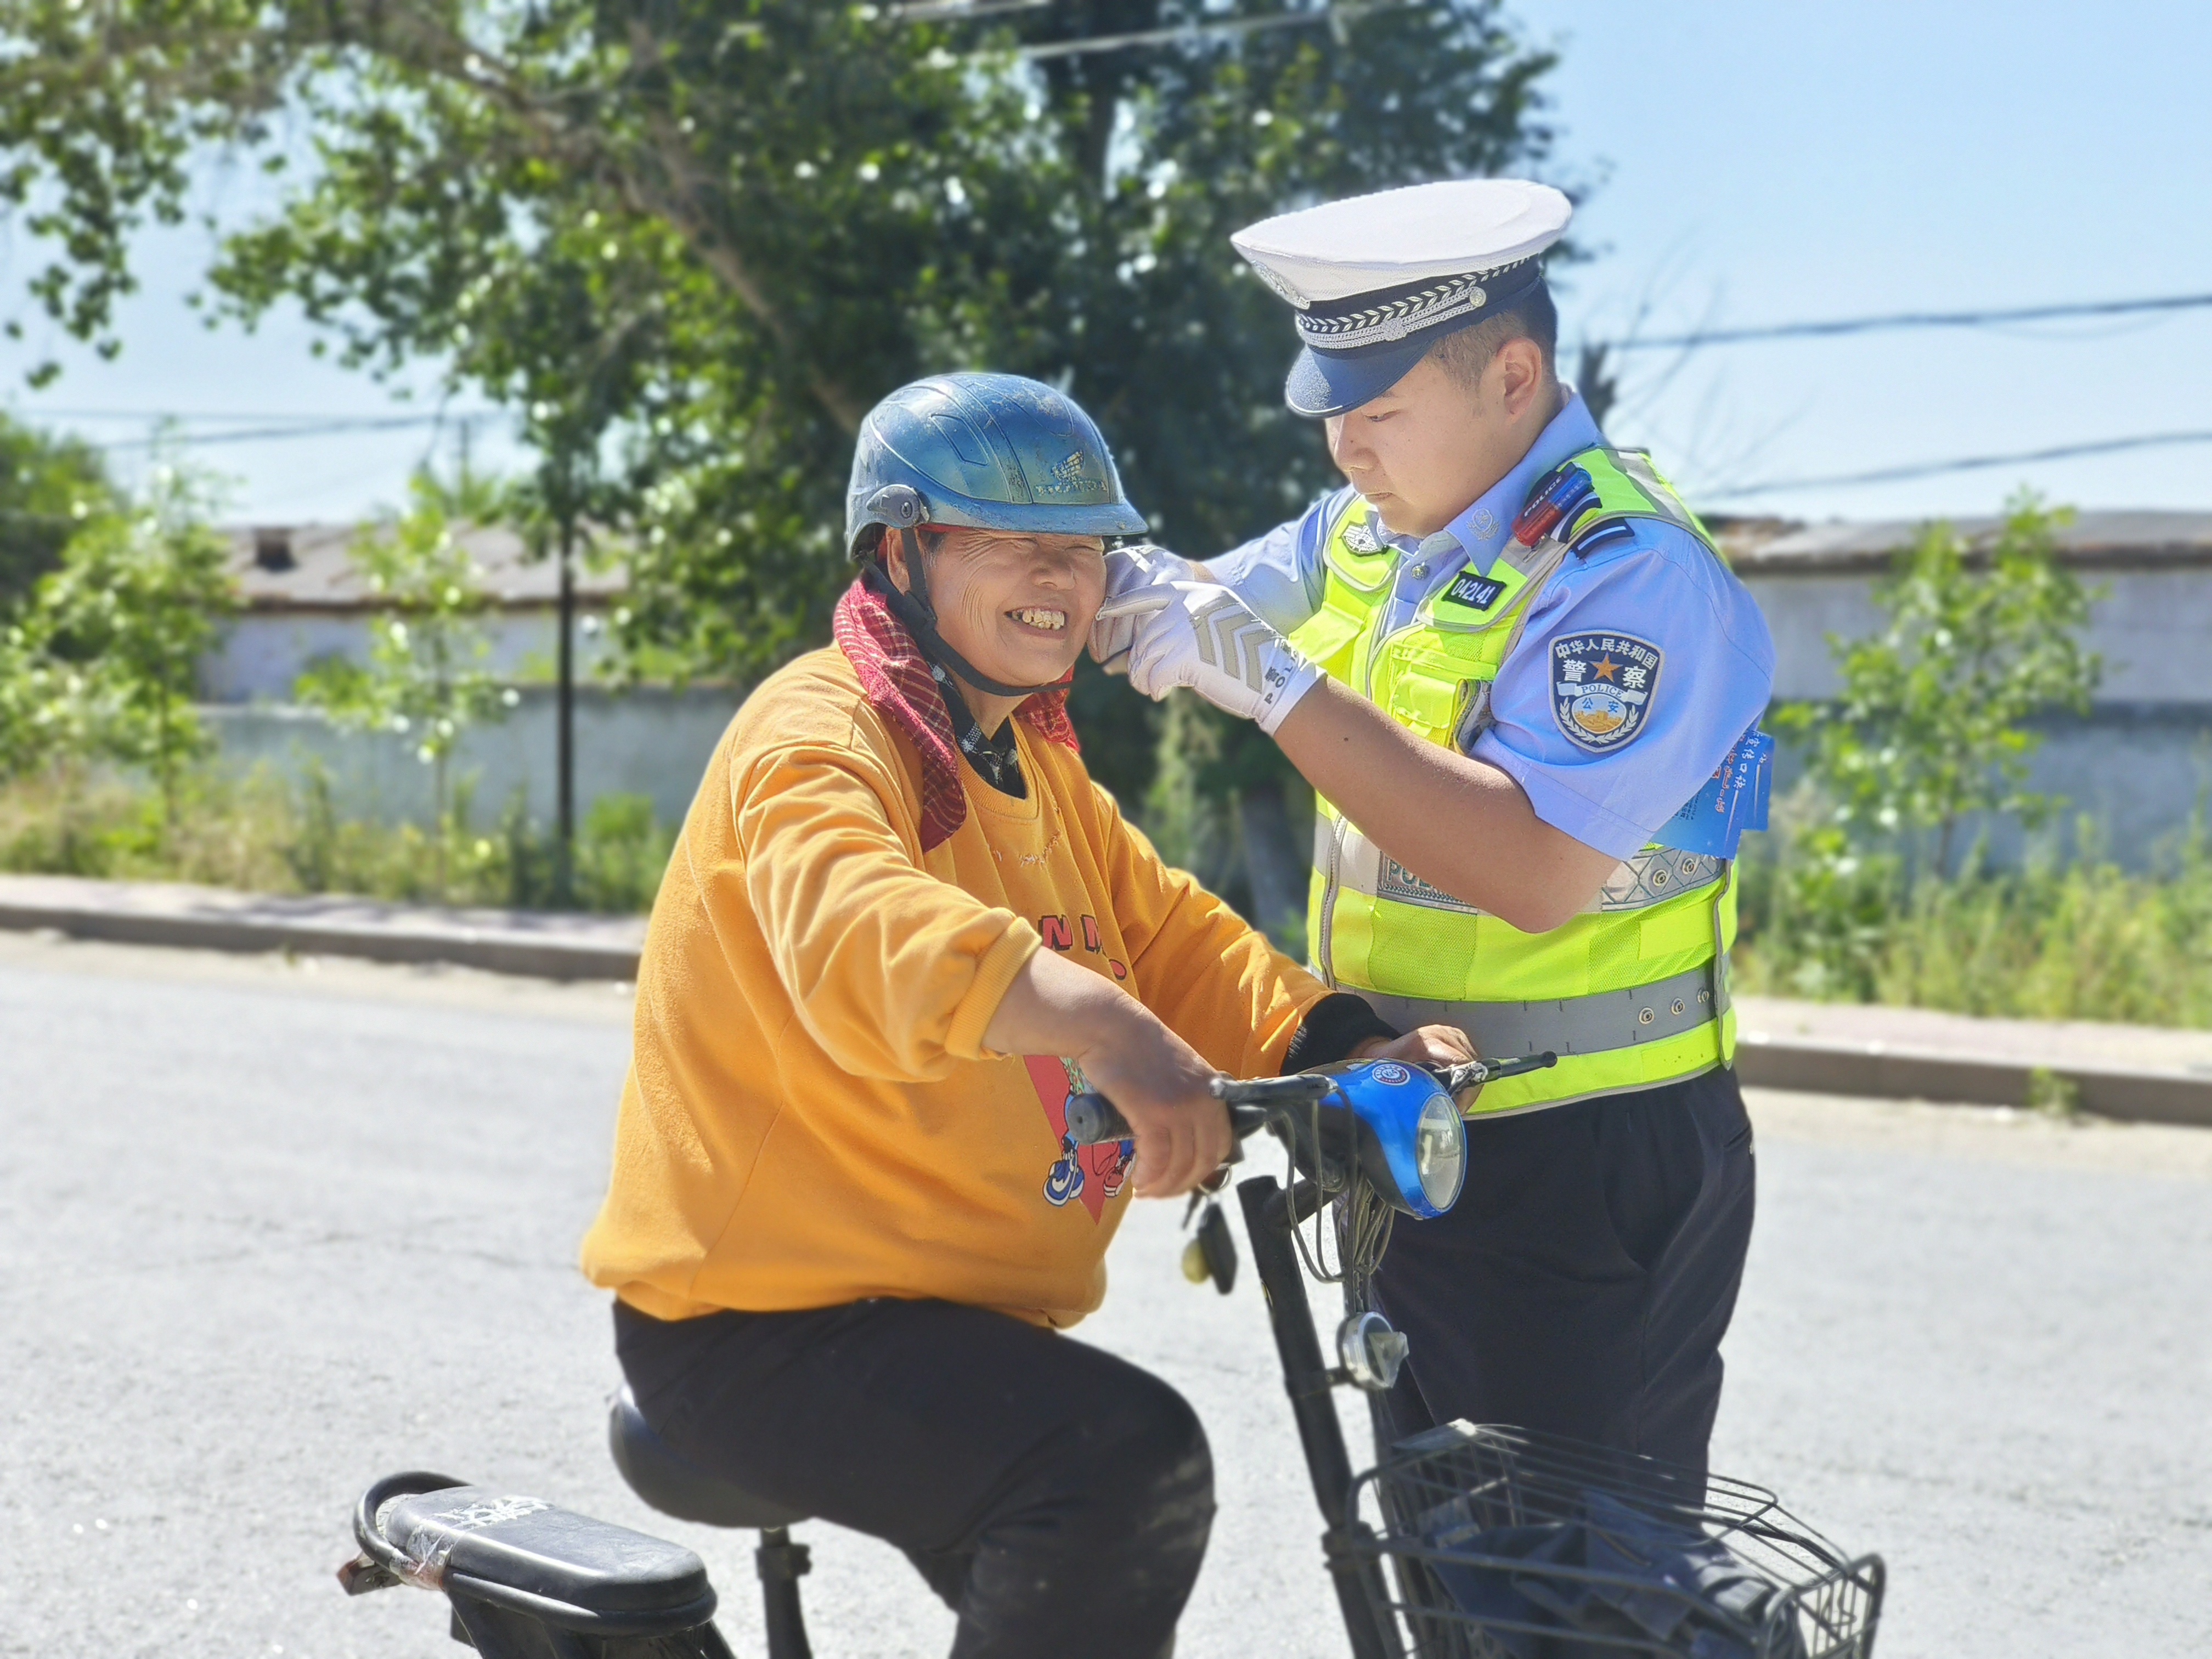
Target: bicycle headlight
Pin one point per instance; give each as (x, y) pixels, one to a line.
(1410, 1144)
(1440, 1151)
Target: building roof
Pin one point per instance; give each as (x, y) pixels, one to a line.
(310, 567)
(2111, 540)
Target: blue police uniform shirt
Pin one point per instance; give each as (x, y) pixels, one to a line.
(1660, 589)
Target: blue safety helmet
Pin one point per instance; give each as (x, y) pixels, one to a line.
(993, 451)
(990, 451)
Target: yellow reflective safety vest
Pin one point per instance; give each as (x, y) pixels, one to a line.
(1630, 994)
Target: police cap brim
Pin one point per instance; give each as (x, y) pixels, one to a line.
(1338, 382)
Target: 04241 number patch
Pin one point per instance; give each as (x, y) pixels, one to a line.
(1602, 685)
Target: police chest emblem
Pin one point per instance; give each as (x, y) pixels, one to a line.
(1475, 593)
(1361, 538)
(1601, 688)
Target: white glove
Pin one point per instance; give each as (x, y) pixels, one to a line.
(1132, 570)
(1201, 635)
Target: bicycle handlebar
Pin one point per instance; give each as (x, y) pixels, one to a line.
(1476, 1072)
(1092, 1118)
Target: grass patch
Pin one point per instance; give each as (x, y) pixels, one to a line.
(262, 833)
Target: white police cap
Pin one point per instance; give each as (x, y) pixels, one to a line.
(1378, 280)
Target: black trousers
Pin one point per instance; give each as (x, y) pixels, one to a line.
(1584, 1282)
(1058, 1498)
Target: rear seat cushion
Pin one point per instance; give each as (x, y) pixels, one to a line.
(527, 1543)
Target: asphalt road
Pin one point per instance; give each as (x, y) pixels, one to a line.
(269, 1230)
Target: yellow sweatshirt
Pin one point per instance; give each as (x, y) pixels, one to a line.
(811, 1117)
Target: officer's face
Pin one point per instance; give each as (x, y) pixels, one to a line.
(1427, 449)
(1019, 608)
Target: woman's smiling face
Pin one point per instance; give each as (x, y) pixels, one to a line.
(1017, 607)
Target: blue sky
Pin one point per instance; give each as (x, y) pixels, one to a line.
(1769, 162)
(1748, 163)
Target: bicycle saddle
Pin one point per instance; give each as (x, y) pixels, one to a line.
(524, 1553)
(675, 1486)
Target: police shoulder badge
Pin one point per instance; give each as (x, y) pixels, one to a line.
(1602, 685)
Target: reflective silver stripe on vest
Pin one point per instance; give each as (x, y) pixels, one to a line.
(1652, 877)
(1637, 465)
(1579, 1025)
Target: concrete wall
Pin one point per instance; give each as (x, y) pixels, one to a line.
(2138, 771)
(2153, 627)
(2142, 761)
(1801, 612)
(263, 652)
(2139, 764)
(649, 741)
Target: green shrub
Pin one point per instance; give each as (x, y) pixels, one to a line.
(99, 661)
(2080, 939)
(1930, 727)
(1857, 894)
(620, 852)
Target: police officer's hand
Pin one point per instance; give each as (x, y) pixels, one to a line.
(1426, 1045)
(1131, 571)
(1201, 635)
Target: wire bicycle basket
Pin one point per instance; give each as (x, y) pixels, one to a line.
(1503, 1543)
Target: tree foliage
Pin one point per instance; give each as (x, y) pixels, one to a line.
(424, 678)
(1932, 722)
(719, 231)
(49, 488)
(691, 242)
(102, 660)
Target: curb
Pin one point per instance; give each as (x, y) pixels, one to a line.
(495, 949)
(2127, 1094)
(562, 947)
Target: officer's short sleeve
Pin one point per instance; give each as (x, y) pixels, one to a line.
(1639, 668)
(1279, 575)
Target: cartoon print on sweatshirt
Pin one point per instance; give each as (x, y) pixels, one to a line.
(1093, 1174)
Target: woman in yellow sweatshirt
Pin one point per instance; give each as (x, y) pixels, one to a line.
(901, 924)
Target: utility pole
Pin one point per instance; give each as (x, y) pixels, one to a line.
(565, 723)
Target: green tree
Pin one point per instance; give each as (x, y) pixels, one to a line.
(33, 697)
(424, 678)
(1931, 725)
(103, 660)
(49, 487)
(692, 240)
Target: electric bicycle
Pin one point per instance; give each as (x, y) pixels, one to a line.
(1470, 1541)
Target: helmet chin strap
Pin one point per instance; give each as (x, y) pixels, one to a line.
(920, 616)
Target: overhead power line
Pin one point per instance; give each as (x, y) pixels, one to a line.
(1968, 464)
(316, 417)
(1344, 13)
(955, 11)
(1913, 319)
(273, 434)
(267, 426)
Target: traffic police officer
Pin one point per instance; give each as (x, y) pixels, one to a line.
(1506, 655)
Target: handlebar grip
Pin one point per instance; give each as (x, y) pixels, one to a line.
(1092, 1118)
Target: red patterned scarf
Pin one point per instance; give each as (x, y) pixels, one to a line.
(896, 679)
